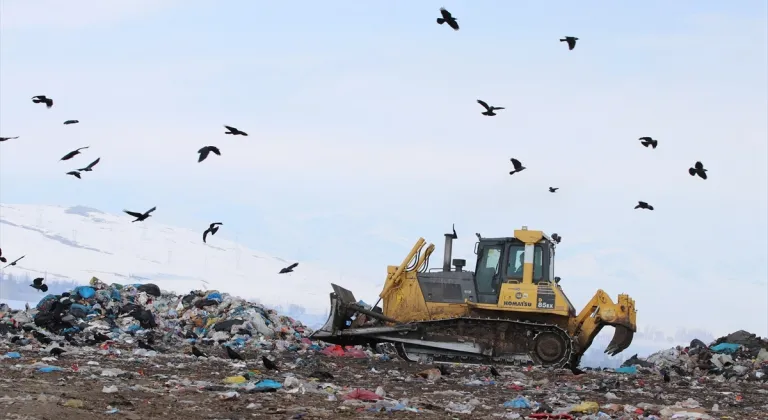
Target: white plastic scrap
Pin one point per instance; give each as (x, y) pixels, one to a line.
(459, 408)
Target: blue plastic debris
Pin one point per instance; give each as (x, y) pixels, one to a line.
(727, 348)
(70, 330)
(85, 292)
(268, 385)
(626, 369)
(519, 402)
(214, 296)
(47, 369)
(12, 355)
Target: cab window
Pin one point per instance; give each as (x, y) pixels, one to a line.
(516, 259)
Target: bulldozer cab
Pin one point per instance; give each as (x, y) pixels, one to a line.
(504, 260)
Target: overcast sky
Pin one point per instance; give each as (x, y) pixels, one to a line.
(365, 133)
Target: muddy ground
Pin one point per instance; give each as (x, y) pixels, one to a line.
(154, 387)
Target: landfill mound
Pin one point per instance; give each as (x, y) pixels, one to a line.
(737, 356)
(116, 311)
(139, 352)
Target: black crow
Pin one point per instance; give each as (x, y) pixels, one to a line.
(447, 18)
(140, 216)
(489, 109)
(234, 131)
(517, 165)
(571, 40)
(206, 150)
(288, 269)
(698, 169)
(42, 99)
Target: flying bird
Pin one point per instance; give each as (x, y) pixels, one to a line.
(553, 189)
(288, 269)
(518, 166)
(206, 150)
(90, 166)
(38, 284)
(647, 141)
(489, 109)
(212, 229)
(75, 174)
(270, 365)
(571, 40)
(140, 217)
(8, 138)
(233, 354)
(196, 351)
(14, 263)
(42, 99)
(68, 122)
(698, 169)
(234, 131)
(643, 205)
(447, 18)
(2, 258)
(557, 238)
(73, 153)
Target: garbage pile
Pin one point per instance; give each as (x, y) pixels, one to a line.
(120, 312)
(104, 350)
(736, 356)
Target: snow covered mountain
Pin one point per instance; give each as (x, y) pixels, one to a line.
(76, 243)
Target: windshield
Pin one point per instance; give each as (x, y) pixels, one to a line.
(515, 262)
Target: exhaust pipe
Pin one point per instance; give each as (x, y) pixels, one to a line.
(447, 252)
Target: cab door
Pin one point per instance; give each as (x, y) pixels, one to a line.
(488, 271)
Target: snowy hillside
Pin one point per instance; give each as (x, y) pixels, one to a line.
(76, 243)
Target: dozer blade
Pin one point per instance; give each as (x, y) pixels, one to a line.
(622, 338)
(339, 315)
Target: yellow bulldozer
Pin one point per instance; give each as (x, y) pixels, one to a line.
(510, 310)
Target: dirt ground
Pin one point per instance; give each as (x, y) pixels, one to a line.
(155, 388)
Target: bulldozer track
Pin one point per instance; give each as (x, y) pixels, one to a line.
(543, 344)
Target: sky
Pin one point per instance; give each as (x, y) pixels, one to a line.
(365, 134)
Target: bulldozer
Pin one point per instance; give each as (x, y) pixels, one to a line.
(511, 310)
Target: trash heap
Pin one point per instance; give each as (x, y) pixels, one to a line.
(282, 374)
(734, 357)
(117, 311)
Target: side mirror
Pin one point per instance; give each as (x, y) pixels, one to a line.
(477, 244)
